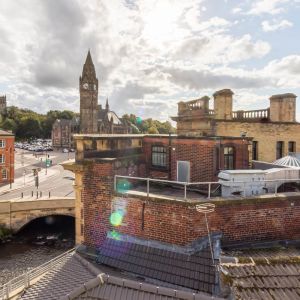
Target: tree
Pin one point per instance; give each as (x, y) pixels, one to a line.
(9, 124)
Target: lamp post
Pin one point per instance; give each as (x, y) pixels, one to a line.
(46, 161)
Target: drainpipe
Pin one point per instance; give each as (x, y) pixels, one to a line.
(170, 156)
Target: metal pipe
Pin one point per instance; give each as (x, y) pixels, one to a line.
(148, 187)
(209, 189)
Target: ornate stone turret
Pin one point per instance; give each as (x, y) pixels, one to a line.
(223, 104)
(283, 108)
(88, 87)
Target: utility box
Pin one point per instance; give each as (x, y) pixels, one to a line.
(242, 182)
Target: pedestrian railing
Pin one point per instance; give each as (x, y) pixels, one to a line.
(208, 187)
(20, 283)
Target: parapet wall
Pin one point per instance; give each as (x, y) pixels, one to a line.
(244, 220)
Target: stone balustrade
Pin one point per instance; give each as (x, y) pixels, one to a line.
(251, 114)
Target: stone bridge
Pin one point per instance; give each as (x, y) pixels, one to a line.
(14, 214)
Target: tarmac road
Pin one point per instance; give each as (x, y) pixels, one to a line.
(59, 182)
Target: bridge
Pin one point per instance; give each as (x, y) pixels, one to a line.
(15, 214)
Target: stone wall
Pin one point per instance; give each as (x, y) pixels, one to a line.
(267, 134)
(15, 215)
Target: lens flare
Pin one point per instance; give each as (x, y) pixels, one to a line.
(123, 186)
(139, 120)
(116, 218)
(114, 235)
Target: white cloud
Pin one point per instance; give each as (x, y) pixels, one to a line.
(272, 7)
(147, 54)
(276, 25)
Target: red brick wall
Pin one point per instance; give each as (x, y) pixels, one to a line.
(246, 221)
(9, 153)
(178, 222)
(202, 154)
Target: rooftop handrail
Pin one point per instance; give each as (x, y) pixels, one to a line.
(209, 183)
(18, 284)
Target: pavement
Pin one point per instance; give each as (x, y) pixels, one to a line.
(54, 180)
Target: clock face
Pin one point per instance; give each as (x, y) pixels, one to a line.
(85, 86)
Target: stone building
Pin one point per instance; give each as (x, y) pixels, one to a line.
(93, 118)
(2, 103)
(62, 132)
(275, 130)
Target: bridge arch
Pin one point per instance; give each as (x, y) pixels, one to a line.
(45, 219)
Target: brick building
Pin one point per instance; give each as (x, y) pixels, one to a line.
(7, 157)
(275, 130)
(168, 219)
(190, 159)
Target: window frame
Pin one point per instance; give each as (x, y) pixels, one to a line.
(159, 158)
(293, 144)
(2, 143)
(279, 152)
(6, 174)
(226, 157)
(2, 158)
(255, 150)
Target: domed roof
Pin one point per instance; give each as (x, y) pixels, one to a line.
(288, 161)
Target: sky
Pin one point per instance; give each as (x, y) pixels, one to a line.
(149, 54)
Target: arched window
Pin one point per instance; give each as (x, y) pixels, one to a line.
(228, 158)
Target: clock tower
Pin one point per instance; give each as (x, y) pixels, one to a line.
(88, 89)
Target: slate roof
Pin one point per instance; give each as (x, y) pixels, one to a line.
(105, 287)
(73, 272)
(178, 267)
(264, 275)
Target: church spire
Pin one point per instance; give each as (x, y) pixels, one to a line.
(107, 105)
(88, 67)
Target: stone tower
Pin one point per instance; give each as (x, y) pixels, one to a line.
(88, 88)
(2, 103)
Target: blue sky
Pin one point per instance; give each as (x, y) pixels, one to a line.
(149, 54)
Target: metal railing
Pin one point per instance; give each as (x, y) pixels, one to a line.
(273, 184)
(20, 283)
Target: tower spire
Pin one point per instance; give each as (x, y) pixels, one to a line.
(107, 105)
(88, 67)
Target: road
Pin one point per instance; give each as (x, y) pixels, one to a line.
(58, 182)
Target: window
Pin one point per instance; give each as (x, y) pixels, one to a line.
(2, 143)
(2, 158)
(279, 149)
(159, 156)
(255, 150)
(292, 147)
(4, 174)
(228, 158)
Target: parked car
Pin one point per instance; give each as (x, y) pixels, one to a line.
(65, 150)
